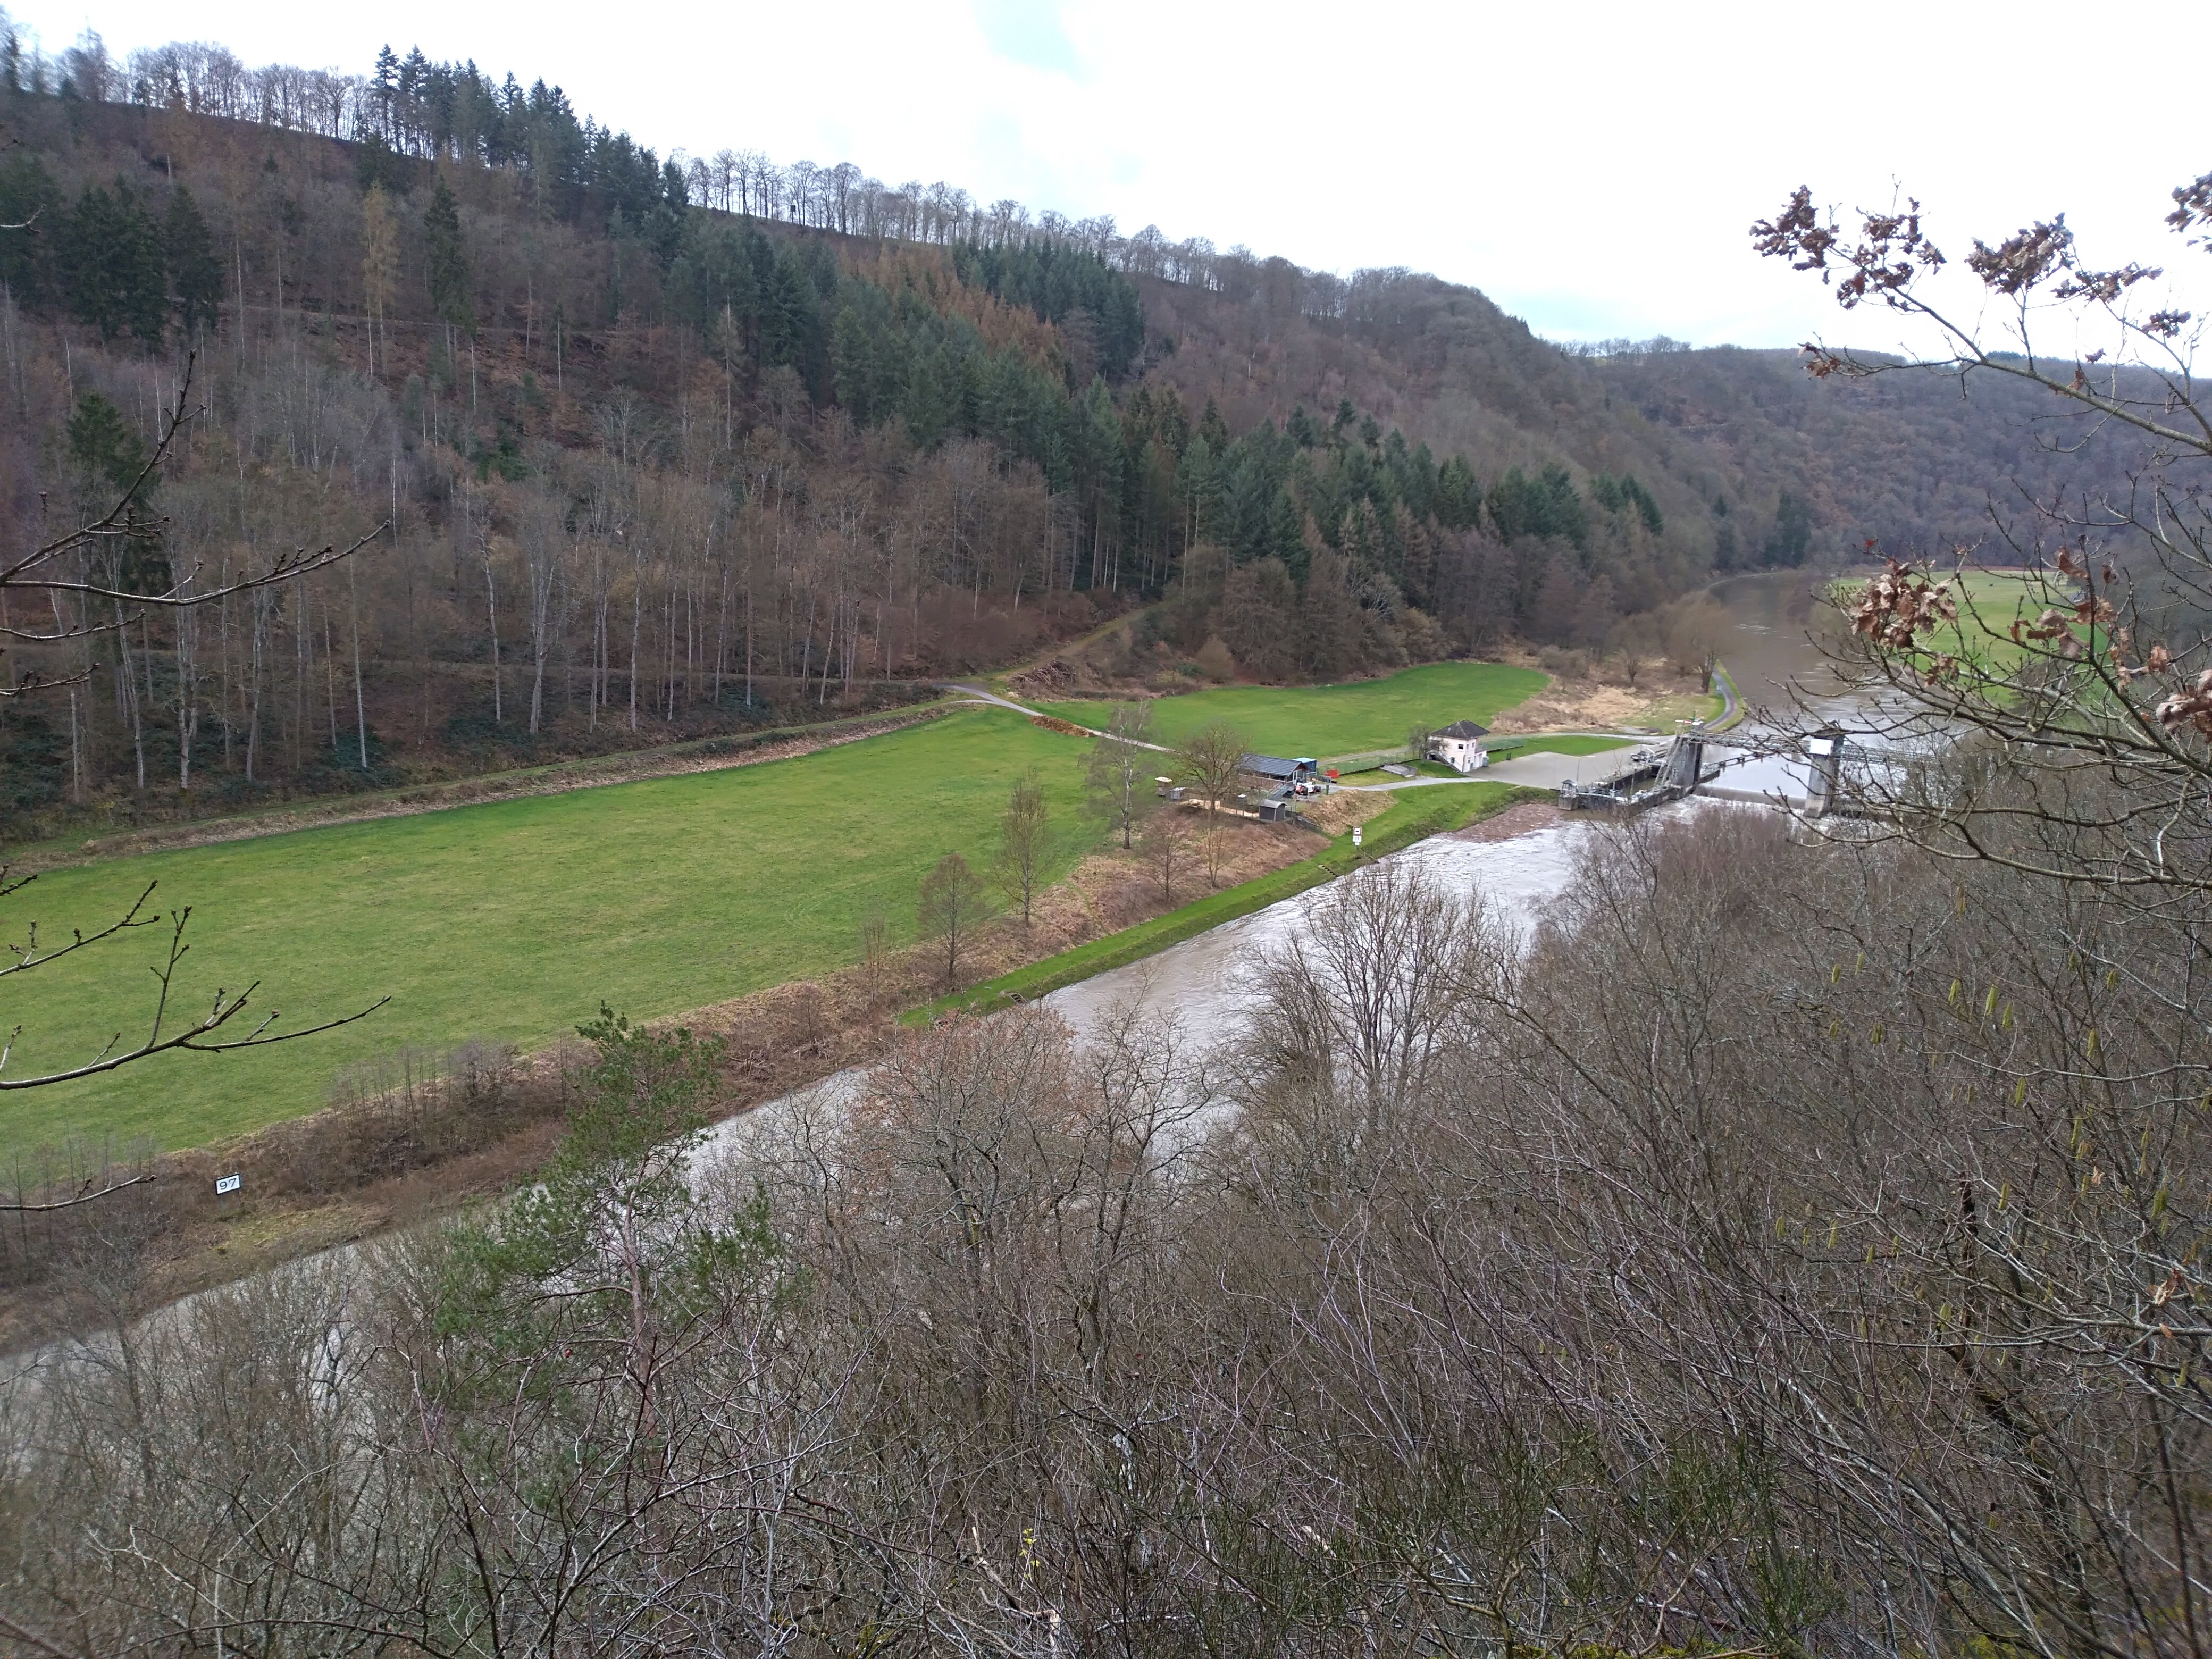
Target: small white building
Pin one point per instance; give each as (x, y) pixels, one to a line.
(1459, 746)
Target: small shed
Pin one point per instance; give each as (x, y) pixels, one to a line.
(1459, 746)
(1275, 769)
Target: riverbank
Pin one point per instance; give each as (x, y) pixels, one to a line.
(1416, 820)
(388, 1158)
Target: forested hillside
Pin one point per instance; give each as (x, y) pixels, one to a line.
(655, 447)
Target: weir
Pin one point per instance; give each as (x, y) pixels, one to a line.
(1651, 778)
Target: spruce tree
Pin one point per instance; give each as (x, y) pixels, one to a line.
(111, 264)
(31, 200)
(103, 445)
(447, 265)
(1213, 428)
(194, 272)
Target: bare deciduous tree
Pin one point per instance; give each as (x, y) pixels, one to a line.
(875, 950)
(70, 565)
(2082, 684)
(1025, 843)
(1119, 770)
(1212, 763)
(950, 907)
(1166, 849)
(92, 566)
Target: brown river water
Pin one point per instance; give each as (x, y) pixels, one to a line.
(1205, 984)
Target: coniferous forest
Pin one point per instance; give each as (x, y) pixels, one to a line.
(654, 446)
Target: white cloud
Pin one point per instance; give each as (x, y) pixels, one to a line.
(1593, 168)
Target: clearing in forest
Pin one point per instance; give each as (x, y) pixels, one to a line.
(511, 920)
(1322, 720)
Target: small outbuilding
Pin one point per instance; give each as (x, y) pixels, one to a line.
(1274, 768)
(1459, 746)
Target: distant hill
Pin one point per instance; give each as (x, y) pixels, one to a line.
(656, 467)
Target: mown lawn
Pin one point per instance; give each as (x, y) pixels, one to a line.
(509, 921)
(1990, 603)
(1322, 720)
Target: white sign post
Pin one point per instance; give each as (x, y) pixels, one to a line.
(1355, 834)
(229, 1183)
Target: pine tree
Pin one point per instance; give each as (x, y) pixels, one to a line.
(102, 445)
(386, 85)
(1213, 428)
(194, 272)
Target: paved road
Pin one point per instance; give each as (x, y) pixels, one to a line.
(1541, 771)
(1731, 705)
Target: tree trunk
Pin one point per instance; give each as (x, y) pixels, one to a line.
(636, 625)
(491, 607)
(253, 680)
(126, 685)
(360, 705)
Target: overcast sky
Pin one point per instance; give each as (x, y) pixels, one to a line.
(1591, 168)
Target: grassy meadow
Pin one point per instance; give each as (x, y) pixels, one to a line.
(1990, 601)
(1323, 720)
(1996, 598)
(509, 921)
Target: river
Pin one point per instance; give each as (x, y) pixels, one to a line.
(1204, 984)
(1787, 682)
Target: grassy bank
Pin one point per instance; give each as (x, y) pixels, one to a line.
(1412, 816)
(509, 921)
(1334, 719)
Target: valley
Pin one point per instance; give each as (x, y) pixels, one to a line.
(890, 924)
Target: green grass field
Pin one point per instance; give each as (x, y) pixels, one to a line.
(1334, 719)
(509, 921)
(1996, 599)
(1990, 601)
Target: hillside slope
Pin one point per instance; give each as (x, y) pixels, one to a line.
(647, 468)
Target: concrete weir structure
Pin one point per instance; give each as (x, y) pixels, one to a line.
(1650, 777)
